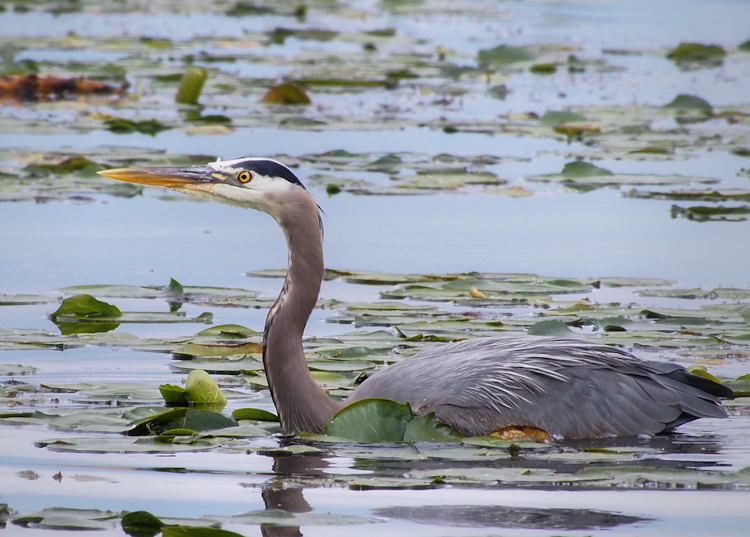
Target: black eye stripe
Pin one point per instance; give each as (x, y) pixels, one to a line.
(270, 168)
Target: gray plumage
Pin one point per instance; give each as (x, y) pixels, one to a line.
(567, 387)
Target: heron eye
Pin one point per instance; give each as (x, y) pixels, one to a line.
(244, 177)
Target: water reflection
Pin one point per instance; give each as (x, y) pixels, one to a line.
(281, 493)
(284, 493)
(498, 516)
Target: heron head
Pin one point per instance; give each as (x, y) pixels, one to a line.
(256, 183)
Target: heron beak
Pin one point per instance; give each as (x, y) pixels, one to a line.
(182, 177)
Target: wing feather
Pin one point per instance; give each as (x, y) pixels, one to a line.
(571, 388)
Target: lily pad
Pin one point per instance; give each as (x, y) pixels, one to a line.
(85, 307)
(255, 414)
(690, 102)
(697, 54)
(503, 55)
(181, 417)
(201, 388)
(286, 93)
(370, 421)
(719, 213)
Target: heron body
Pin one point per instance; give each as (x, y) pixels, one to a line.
(567, 387)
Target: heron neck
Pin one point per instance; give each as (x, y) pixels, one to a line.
(301, 404)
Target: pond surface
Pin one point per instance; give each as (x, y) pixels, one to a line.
(434, 155)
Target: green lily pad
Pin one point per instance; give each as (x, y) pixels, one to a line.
(690, 102)
(85, 307)
(64, 518)
(193, 531)
(719, 213)
(286, 93)
(174, 395)
(687, 54)
(578, 169)
(185, 418)
(141, 524)
(216, 350)
(23, 300)
(127, 126)
(370, 421)
(255, 414)
(10, 370)
(694, 195)
(553, 118)
(503, 55)
(229, 331)
(201, 388)
(427, 428)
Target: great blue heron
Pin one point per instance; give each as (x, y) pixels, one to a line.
(567, 387)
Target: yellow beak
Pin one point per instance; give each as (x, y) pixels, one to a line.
(188, 177)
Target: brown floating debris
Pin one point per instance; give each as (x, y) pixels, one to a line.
(286, 93)
(33, 87)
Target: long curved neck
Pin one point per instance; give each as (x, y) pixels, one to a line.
(301, 403)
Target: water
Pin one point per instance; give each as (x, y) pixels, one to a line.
(689, 484)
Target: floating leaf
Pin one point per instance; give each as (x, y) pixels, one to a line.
(230, 331)
(181, 418)
(543, 68)
(712, 214)
(11, 370)
(503, 55)
(427, 428)
(174, 395)
(690, 102)
(65, 518)
(255, 414)
(196, 531)
(217, 349)
(127, 126)
(578, 168)
(141, 524)
(83, 307)
(553, 118)
(370, 421)
(201, 388)
(553, 327)
(286, 93)
(697, 53)
(23, 300)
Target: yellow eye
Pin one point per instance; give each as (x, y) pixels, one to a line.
(244, 177)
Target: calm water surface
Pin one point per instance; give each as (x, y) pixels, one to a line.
(555, 232)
